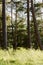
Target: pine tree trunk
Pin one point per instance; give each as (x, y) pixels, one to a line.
(37, 35)
(15, 34)
(28, 27)
(12, 23)
(4, 27)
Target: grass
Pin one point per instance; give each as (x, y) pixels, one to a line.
(21, 57)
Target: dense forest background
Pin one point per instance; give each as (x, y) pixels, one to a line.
(21, 24)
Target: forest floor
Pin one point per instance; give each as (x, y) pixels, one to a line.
(21, 56)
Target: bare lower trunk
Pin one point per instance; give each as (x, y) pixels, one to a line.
(28, 27)
(37, 35)
(15, 34)
(12, 22)
(4, 45)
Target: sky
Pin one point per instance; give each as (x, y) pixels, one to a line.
(38, 0)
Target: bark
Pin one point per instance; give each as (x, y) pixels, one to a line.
(28, 27)
(37, 35)
(15, 34)
(12, 21)
(4, 27)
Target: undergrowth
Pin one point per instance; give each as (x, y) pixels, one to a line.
(21, 57)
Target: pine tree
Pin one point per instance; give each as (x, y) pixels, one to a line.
(37, 35)
(28, 27)
(4, 45)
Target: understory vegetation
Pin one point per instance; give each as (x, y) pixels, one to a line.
(21, 56)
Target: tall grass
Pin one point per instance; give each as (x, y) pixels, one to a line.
(21, 57)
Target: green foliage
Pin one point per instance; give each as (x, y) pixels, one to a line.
(0, 0)
(38, 4)
(21, 27)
